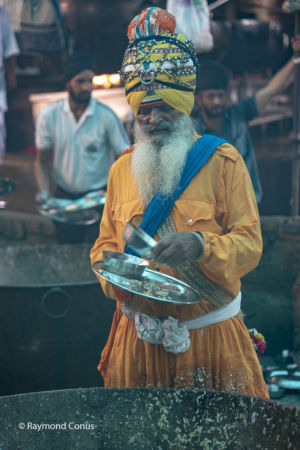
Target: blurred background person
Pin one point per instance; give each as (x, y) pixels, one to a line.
(213, 116)
(77, 140)
(8, 51)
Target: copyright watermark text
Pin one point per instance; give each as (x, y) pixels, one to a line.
(56, 426)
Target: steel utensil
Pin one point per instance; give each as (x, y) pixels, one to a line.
(138, 240)
(124, 265)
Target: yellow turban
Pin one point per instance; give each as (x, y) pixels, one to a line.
(159, 67)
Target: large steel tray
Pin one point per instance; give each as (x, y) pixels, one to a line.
(153, 285)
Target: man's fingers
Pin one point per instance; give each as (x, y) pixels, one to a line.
(175, 248)
(159, 248)
(169, 255)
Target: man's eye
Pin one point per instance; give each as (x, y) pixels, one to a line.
(166, 108)
(144, 112)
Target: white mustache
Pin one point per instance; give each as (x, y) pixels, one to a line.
(159, 126)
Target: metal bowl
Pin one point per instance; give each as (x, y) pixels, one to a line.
(128, 266)
(81, 217)
(137, 239)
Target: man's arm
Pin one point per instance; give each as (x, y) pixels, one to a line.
(43, 170)
(107, 239)
(279, 82)
(43, 166)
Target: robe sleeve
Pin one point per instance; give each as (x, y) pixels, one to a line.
(107, 239)
(230, 256)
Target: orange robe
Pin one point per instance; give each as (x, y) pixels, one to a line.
(220, 203)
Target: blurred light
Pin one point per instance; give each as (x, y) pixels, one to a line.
(100, 80)
(114, 78)
(106, 81)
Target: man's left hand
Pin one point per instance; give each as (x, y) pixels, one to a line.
(176, 248)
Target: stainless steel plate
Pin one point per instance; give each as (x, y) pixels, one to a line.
(86, 217)
(89, 201)
(82, 211)
(153, 285)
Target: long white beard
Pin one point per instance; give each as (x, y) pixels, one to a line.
(158, 160)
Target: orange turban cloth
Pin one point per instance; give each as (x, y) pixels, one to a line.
(158, 64)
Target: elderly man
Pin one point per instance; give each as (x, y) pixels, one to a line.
(194, 195)
(83, 137)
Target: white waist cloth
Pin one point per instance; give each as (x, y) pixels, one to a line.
(173, 334)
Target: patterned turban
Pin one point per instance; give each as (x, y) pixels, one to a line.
(158, 65)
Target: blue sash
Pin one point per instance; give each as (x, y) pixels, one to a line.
(161, 205)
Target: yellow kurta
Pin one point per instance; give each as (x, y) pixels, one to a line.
(220, 203)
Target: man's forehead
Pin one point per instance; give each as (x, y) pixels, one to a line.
(212, 92)
(162, 106)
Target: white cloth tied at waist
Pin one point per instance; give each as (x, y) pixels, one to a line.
(173, 334)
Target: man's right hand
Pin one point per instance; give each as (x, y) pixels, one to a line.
(42, 197)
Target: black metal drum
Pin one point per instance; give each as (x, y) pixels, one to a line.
(54, 318)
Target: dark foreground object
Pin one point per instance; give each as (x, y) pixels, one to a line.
(54, 319)
(99, 418)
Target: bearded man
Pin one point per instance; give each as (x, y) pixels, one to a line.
(77, 140)
(214, 116)
(192, 194)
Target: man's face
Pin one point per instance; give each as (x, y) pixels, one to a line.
(157, 119)
(81, 86)
(211, 102)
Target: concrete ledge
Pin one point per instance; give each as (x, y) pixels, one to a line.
(22, 226)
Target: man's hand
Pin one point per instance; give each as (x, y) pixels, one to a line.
(176, 248)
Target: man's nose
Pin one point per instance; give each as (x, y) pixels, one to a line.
(153, 116)
(87, 86)
(217, 100)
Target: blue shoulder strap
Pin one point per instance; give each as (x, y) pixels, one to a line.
(161, 205)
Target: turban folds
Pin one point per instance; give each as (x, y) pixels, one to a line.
(76, 63)
(158, 64)
(212, 75)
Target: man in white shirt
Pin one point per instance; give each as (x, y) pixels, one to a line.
(8, 51)
(78, 138)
